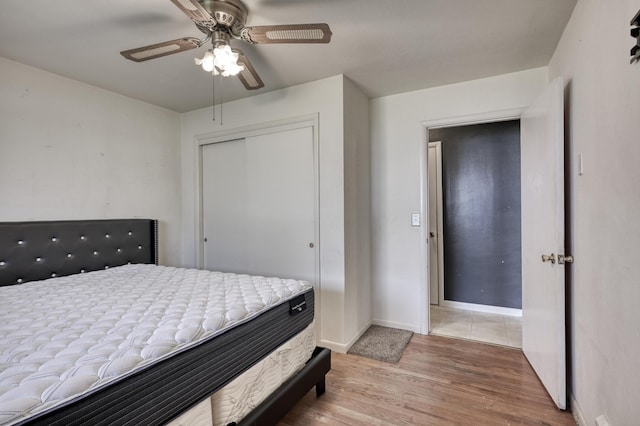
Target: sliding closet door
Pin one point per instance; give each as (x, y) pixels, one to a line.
(259, 205)
(224, 204)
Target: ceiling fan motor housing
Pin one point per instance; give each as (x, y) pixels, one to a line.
(231, 14)
(219, 38)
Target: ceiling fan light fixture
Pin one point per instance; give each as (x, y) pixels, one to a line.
(226, 60)
(232, 69)
(221, 60)
(206, 62)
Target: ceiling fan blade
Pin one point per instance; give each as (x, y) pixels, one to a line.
(161, 49)
(249, 77)
(194, 10)
(297, 33)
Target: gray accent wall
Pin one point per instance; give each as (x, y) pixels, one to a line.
(481, 201)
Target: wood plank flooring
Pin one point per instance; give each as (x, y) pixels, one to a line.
(438, 381)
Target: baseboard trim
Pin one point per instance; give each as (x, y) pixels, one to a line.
(483, 308)
(344, 347)
(333, 346)
(577, 412)
(399, 325)
(358, 335)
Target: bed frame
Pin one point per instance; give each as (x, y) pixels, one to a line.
(32, 251)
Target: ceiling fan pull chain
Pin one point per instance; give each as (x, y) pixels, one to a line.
(213, 96)
(220, 98)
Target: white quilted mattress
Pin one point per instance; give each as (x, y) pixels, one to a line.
(64, 337)
(239, 397)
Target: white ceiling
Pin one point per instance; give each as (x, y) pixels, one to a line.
(384, 46)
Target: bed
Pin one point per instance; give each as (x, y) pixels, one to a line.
(152, 384)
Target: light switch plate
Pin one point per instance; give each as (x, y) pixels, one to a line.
(415, 219)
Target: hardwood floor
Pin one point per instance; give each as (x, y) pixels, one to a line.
(438, 381)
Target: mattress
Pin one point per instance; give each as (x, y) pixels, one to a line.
(238, 398)
(66, 339)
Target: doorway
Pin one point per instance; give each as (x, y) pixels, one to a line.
(542, 231)
(474, 232)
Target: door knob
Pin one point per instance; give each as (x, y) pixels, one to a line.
(549, 258)
(564, 259)
(431, 234)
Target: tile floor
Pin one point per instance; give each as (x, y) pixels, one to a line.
(479, 326)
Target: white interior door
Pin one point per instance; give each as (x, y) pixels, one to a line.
(436, 287)
(543, 283)
(258, 199)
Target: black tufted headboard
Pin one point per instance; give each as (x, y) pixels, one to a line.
(32, 251)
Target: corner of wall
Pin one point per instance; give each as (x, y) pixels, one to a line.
(357, 201)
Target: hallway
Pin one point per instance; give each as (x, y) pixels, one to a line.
(479, 326)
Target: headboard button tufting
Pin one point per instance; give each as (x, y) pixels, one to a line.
(36, 250)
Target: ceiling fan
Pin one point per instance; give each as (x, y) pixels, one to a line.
(221, 20)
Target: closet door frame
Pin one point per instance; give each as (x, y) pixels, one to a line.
(310, 120)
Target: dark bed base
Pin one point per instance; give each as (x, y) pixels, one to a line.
(278, 404)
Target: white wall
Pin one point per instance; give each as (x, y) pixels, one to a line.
(603, 125)
(357, 200)
(397, 144)
(324, 97)
(73, 151)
